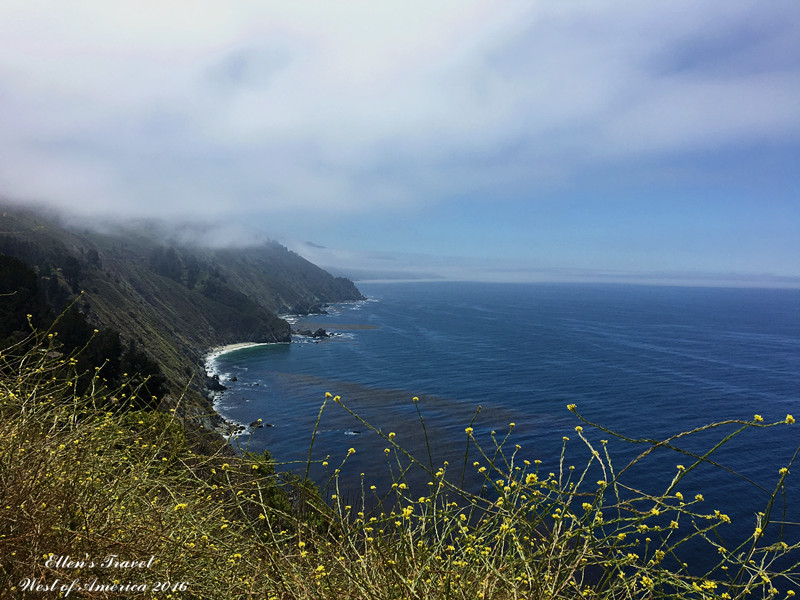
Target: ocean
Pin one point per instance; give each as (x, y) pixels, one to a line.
(646, 362)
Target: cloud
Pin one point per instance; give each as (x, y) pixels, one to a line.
(161, 108)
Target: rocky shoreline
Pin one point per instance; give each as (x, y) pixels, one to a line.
(215, 388)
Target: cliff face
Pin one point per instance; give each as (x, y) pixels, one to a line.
(174, 301)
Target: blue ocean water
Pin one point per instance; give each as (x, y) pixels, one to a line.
(648, 362)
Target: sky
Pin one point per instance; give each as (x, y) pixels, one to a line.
(470, 139)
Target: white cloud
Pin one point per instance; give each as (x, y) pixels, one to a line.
(161, 107)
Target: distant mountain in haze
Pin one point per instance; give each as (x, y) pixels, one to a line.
(175, 301)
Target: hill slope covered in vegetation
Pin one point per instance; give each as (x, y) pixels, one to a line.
(167, 301)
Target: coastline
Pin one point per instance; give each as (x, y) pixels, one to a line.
(228, 428)
(215, 386)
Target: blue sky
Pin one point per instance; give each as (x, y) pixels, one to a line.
(505, 140)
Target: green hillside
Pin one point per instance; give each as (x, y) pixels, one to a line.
(171, 301)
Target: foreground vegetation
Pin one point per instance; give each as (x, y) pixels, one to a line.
(99, 500)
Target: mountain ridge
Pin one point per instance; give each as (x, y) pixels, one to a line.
(174, 300)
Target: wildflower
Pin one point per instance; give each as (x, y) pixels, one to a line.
(699, 497)
(758, 418)
(571, 407)
(415, 399)
(579, 429)
(469, 430)
(181, 506)
(512, 425)
(681, 468)
(565, 438)
(758, 532)
(391, 435)
(328, 395)
(783, 471)
(790, 420)
(351, 451)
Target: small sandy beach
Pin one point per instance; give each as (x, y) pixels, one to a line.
(230, 347)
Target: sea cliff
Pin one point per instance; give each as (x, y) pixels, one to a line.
(170, 300)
